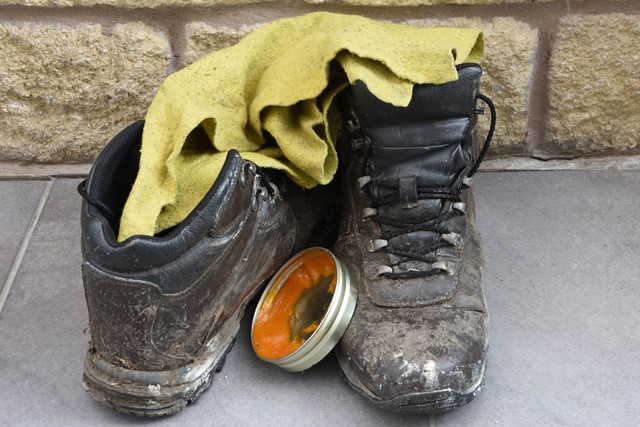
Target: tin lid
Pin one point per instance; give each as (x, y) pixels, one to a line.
(304, 310)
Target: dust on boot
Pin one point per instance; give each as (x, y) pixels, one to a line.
(418, 339)
(164, 310)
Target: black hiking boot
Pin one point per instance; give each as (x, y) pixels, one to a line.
(418, 338)
(164, 310)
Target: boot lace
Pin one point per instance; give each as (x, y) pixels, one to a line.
(438, 224)
(264, 189)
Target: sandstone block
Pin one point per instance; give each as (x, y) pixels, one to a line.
(415, 2)
(65, 90)
(203, 39)
(594, 86)
(510, 48)
(130, 4)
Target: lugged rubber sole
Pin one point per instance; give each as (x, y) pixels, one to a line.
(158, 393)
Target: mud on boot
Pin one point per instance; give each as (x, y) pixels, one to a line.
(418, 338)
(164, 310)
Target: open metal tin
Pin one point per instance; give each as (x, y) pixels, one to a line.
(304, 310)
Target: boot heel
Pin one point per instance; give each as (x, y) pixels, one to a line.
(158, 393)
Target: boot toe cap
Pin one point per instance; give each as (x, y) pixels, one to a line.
(416, 362)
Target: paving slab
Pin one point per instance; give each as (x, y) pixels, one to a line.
(20, 200)
(41, 324)
(43, 345)
(561, 282)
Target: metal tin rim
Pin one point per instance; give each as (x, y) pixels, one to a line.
(331, 327)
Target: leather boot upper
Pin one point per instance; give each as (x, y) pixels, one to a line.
(408, 232)
(155, 301)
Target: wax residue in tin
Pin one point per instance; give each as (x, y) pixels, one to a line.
(291, 313)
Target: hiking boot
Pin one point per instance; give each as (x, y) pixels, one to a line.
(164, 310)
(418, 338)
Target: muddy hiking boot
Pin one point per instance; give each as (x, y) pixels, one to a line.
(418, 338)
(164, 310)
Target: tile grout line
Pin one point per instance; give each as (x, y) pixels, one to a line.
(25, 244)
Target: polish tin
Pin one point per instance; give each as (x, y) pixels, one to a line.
(304, 310)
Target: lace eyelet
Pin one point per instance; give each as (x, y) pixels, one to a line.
(259, 194)
(453, 238)
(382, 270)
(274, 193)
(447, 266)
(246, 168)
(359, 142)
(367, 213)
(262, 193)
(460, 206)
(363, 181)
(353, 125)
(377, 244)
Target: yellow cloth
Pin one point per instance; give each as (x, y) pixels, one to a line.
(279, 80)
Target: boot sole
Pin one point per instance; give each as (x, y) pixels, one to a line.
(158, 393)
(431, 402)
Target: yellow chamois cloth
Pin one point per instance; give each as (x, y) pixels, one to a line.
(270, 97)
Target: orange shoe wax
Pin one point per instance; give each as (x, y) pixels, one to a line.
(294, 306)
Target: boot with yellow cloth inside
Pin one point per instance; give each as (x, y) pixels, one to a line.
(233, 170)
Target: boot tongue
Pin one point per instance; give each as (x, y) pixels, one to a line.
(405, 183)
(418, 147)
(402, 175)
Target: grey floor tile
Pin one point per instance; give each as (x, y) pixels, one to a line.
(561, 270)
(19, 202)
(562, 281)
(41, 324)
(249, 391)
(41, 331)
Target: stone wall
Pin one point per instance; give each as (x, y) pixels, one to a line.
(565, 74)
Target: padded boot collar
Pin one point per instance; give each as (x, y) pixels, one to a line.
(146, 251)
